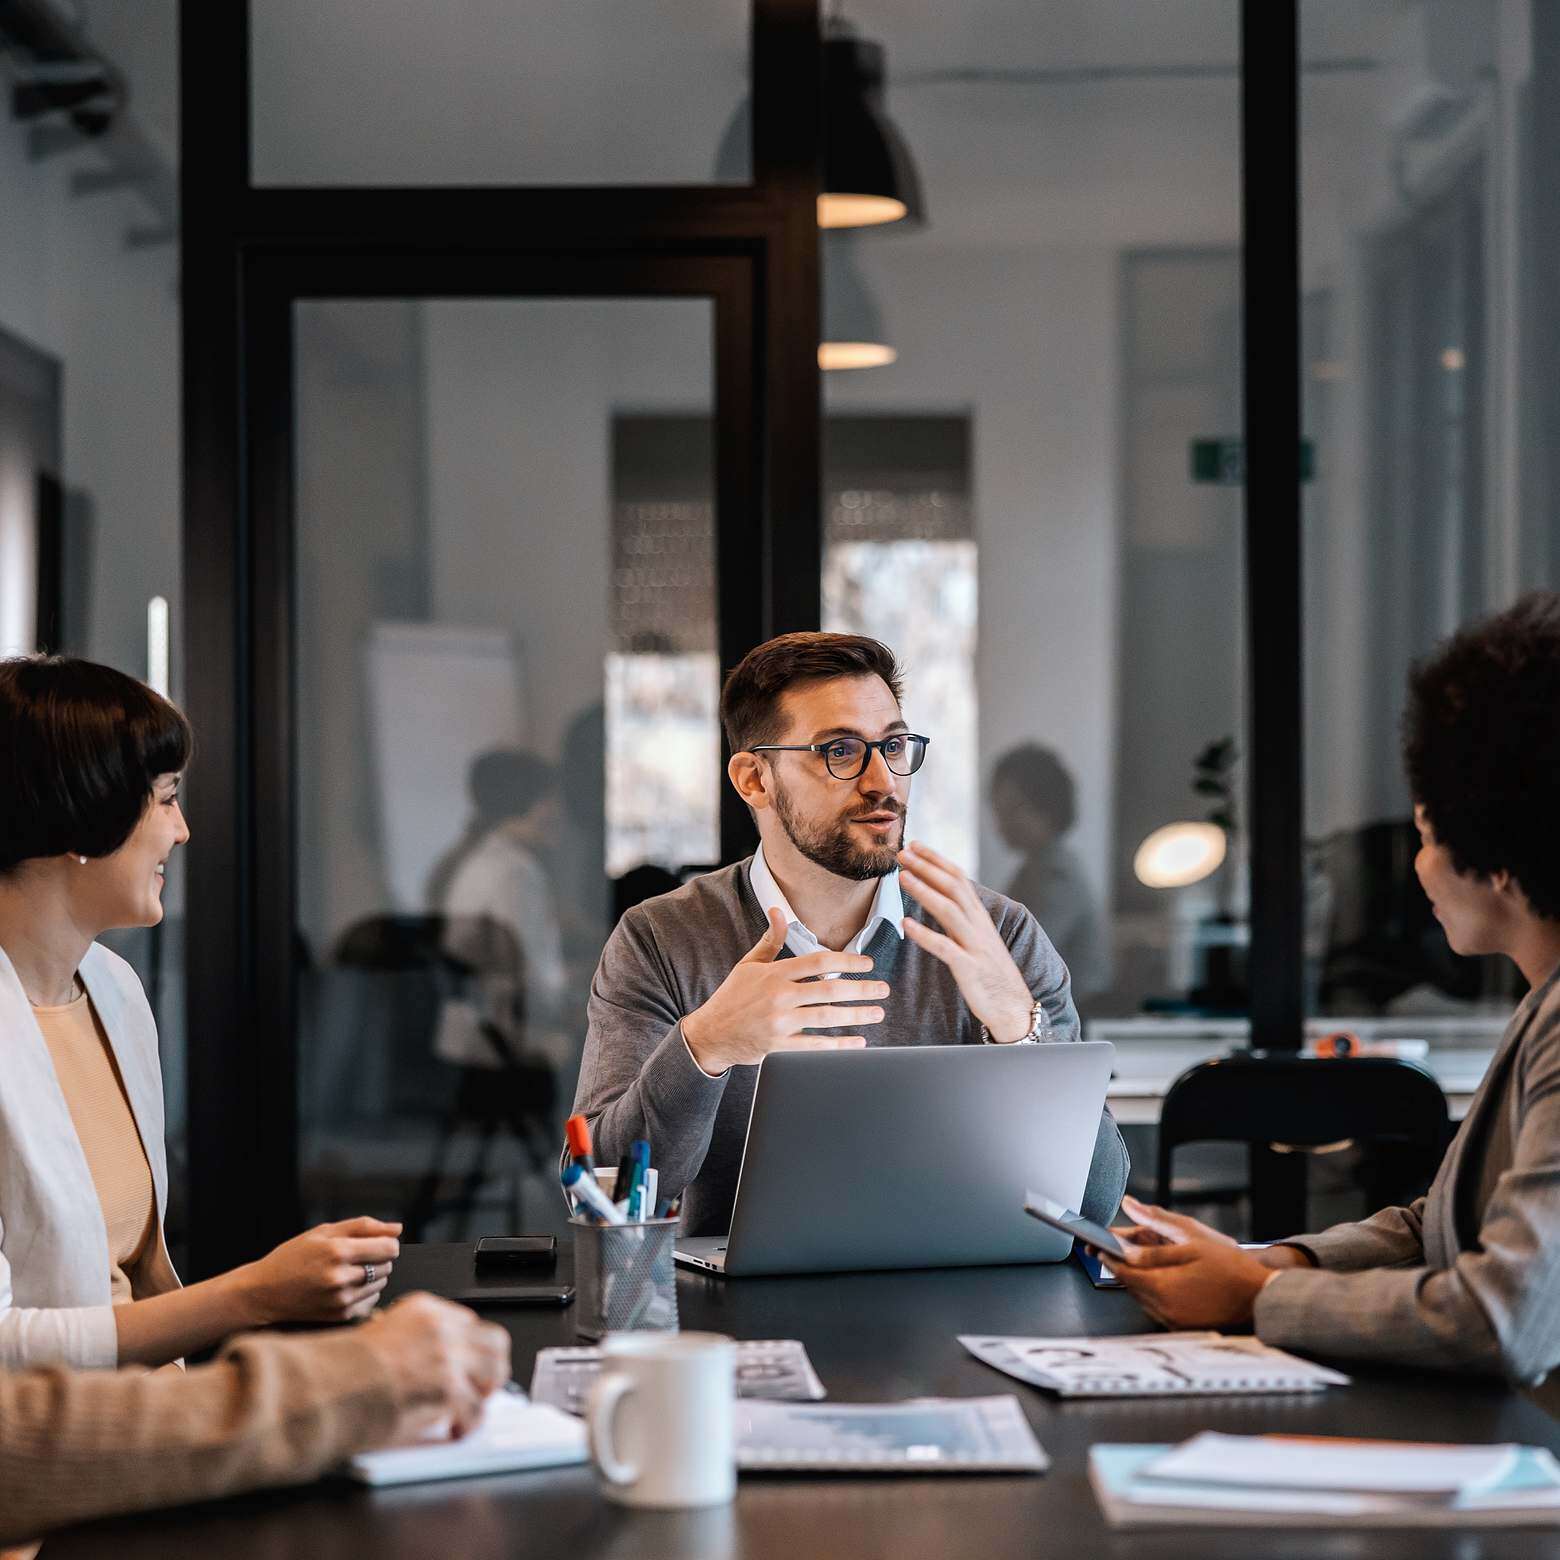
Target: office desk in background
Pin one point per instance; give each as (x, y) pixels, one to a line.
(872, 1337)
(1152, 1052)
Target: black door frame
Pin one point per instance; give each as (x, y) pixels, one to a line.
(1272, 407)
(247, 251)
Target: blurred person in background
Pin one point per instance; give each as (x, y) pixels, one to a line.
(1032, 799)
(501, 920)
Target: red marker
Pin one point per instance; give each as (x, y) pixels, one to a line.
(576, 1131)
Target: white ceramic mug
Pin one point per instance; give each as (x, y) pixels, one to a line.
(662, 1418)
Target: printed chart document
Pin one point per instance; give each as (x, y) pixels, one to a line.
(924, 1435)
(1192, 1364)
(1298, 1481)
(766, 1368)
(513, 1434)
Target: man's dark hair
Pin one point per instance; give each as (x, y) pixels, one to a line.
(1041, 778)
(508, 783)
(750, 700)
(80, 747)
(1481, 744)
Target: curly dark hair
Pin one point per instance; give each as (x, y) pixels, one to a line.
(1481, 744)
(750, 700)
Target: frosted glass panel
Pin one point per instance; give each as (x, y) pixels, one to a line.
(506, 723)
(499, 92)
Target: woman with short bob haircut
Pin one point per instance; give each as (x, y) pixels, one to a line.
(90, 765)
(1468, 1277)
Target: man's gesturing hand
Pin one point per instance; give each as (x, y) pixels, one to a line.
(969, 942)
(764, 1005)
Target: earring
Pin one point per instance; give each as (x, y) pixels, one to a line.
(82, 860)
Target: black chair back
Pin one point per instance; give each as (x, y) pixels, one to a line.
(1283, 1105)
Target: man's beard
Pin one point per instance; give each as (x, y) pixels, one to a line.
(830, 846)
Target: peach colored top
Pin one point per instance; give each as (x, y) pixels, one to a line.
(89, 1078)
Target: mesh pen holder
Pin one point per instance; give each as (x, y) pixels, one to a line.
(624, 1278)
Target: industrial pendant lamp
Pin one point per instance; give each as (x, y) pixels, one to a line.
(868, 176)
(853, 334)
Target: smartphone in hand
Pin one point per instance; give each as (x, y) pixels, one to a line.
(1048, 1211)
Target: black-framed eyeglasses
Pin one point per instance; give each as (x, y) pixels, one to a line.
(848, 757)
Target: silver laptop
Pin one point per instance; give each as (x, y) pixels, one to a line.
(909, 1156)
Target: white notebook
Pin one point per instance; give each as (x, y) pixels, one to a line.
(1193, 1364)
(1425, 1469)
(1135, 1486)
(514, 1434)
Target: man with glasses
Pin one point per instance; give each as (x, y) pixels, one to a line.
(696, 987)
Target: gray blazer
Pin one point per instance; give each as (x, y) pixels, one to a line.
(1468, 1277)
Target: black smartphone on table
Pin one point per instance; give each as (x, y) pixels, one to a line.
(557, 1295)
(503, 1254)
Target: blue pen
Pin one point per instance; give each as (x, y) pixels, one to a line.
(640, 1149)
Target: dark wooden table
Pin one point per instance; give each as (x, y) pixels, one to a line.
(872, 1337)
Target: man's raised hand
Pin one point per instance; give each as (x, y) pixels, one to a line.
(969, 943)
(768, 1004)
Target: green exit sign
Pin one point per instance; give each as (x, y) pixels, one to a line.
(1223, 461)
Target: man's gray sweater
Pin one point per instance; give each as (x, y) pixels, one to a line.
(667, 957)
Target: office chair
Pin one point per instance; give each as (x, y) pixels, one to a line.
(516, 1093)
(507, 1090)
(1285, 1107)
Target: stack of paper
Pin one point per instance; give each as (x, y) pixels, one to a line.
(1152, 1365)
(1301, 1481)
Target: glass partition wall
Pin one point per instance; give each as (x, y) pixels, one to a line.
(1061, 324)
(466, 556)
(505, 717)
(1425, 292)
(469, 92)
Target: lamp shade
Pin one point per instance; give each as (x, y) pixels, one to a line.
(1179, 854)
(868, 175)
(853, 334)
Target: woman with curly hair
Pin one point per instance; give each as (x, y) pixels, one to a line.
(1468, 1277)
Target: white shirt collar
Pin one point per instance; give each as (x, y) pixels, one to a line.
(887, 905)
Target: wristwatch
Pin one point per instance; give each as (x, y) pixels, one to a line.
(1039, 1028)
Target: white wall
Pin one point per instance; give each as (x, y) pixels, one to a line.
(521, 396)
(360, 558)
(980, 333)
(70, 287)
